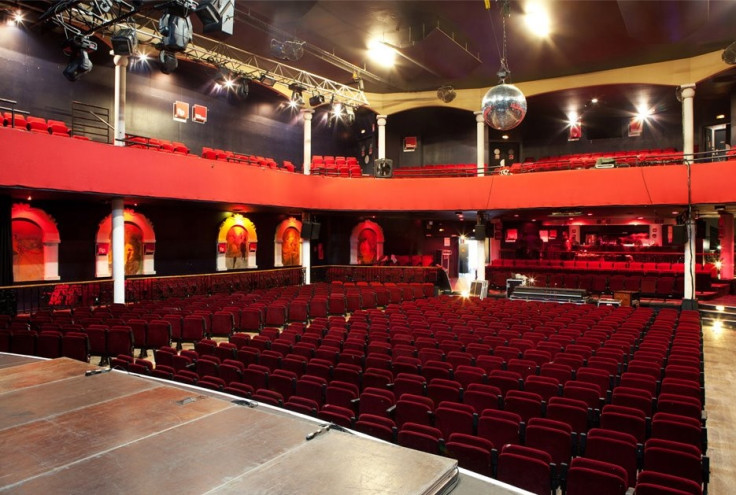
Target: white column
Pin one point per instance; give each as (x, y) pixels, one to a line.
(307, 164)
(118, 251)
(690, 261)
(306, 255)
(381, 121)
(687, 93)
(121, 64)
(480, 159)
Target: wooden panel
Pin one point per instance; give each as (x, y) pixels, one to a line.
(347, 464)
(59, 441)
(192, 457)
(8, 360)
(33, 403)
(38, 372)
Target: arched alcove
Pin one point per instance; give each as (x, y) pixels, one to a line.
(287, 243)
(366, 243)
(35, 244)
(237, 242)
(140, 245)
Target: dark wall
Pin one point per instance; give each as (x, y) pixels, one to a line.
(444, 135)
(260, 124)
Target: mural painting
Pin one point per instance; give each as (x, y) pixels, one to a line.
(28, 262)
(367, 253)
(291, 249)
(237, 243)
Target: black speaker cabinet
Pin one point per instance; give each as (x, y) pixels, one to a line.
(479, 232)
(315, 230)
(307, 228)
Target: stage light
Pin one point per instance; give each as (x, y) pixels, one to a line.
(224, 79)
(78, 49)
(381, 53)
(296, 95)
(168, 62)
(537, 20)
(242, 88)
(175, 25)
(316, 100)
(216, 15)
(267, 80)
(124, 42)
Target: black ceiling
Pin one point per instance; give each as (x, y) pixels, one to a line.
(459, 42)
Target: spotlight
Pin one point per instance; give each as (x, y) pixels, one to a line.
(267, 80)
(296, 95)
(216, 15)
(78, 49)
(168, 62)
(350, 113)
(224, 78)
(242, 88)
(124, 42)
(175, 25)
(316, 100)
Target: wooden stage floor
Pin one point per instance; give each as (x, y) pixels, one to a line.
(62, 431)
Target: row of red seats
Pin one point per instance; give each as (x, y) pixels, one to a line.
(339, 166)
(156, 144)
(333, 411)
(258, 161)
(589, 160)
(36, 124)
(442, 170)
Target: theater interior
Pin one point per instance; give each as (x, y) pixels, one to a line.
(473, 246)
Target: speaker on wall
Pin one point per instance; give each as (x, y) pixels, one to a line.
(383, 167)
(479, 232)
(306, 232)
(315, 230)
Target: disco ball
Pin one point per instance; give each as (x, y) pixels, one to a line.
(504, 107)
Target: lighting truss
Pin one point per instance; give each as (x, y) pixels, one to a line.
(105, 17)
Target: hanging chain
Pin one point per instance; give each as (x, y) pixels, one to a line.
(504, 71)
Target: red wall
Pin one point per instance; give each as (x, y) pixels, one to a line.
(38, 161)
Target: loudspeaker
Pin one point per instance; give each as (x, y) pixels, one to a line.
(306, 232)
(679, 234)
(315, 230)
(479, 232)
(383, 167)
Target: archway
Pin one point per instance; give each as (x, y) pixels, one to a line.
(140, 245)
(237, 242)
(287, 243)
(35, 244)
(366, 243)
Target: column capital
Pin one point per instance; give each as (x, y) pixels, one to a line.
(120, 60)
(479, 117)
(686, 90)
(381, 119)
(307, 113)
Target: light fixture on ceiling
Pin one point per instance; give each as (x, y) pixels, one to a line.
(175, 25)
(168, 62)
(224, 78)
(537, 19)
(381, 53)
(78, 49)
(446, 93)
(216, 15)
(297, 100)
(504, 106)
(267, 80)
(316, 100)
(124, 41)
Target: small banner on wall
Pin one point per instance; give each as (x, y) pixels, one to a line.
(576, 131)
(410, 143)
(635, 126)
(199, 114)
(181, 111)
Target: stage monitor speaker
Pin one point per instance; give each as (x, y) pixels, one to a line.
(307, 229)
(479, 232)
(383, 168)
(315, 230)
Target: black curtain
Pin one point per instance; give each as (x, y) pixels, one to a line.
(7, 297)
